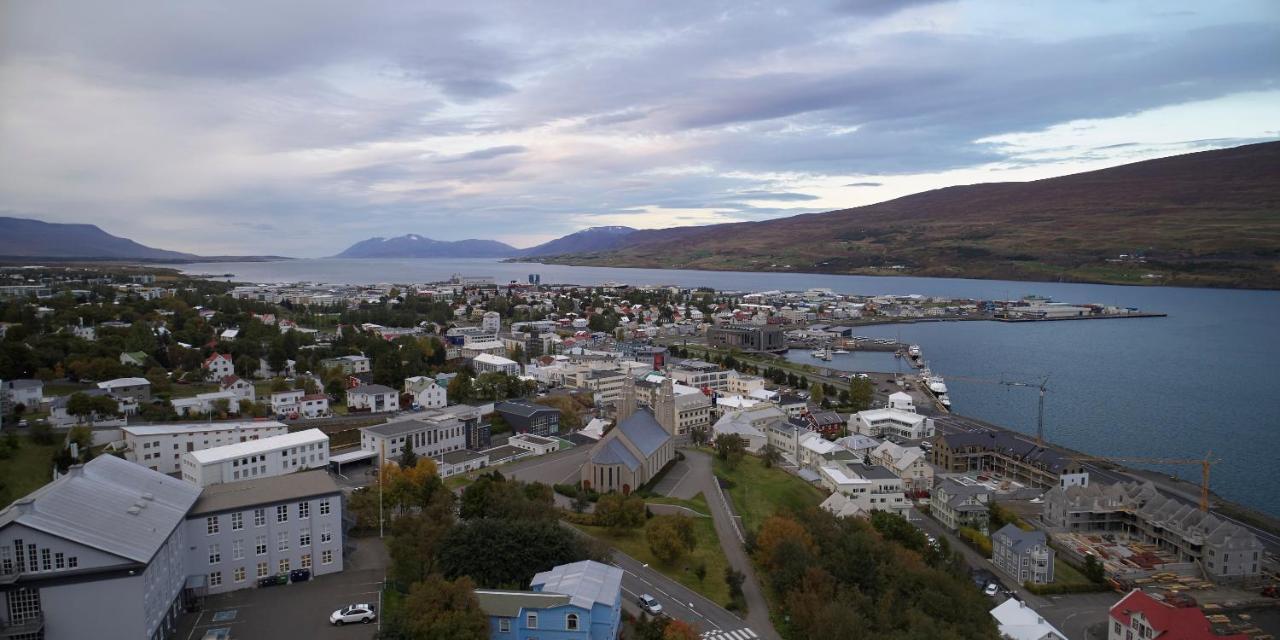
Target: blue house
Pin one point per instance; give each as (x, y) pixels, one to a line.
(578, 601)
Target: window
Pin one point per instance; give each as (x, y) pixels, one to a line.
(260, 546)
(306, 561)
(571, 622)
(504, 625)
(72, 562)
(215, 554)
(237, 521)
(282, 541)
(326, 535)
(262, 569)
(237, 549)
(304, 538)
(59, 560)
(259, 517)
(284, 565)
(326, 556)
(282, 513)
(46, 560)
(211, 525)
(215, 579)
(238, 574)
(324, 507)
(304, 510)
(531, 621)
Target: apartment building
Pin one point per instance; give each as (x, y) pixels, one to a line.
(909, 463)
(958, 505)
(1024, 556)
(241, 532)
(884, 423)
(160, 447)
(748, 337)
(265, 458)
(374, 398)
(137, 389)
(703, 375)
(349, 365)
(429, 435)
(865, 487)
(1005, 455)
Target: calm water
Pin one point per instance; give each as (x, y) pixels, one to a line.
(1169, 387)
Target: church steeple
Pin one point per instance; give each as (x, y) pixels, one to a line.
(626, 405)
(664, 406)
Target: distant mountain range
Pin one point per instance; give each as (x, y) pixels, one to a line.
(25, 238)
(1210, 218)
(416, 246)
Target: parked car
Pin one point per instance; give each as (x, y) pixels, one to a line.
(650, 604)
(991, 590)
(362, 613)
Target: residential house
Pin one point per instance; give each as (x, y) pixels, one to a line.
(241, 389)
(958, 505)
(871, 487)
(287, 402)
(909, 463)
(137, 389)
(1016, 621)
(133, 358)
(1139, 616)
(529, 417)
(581, 600)
(315, 405)
(25, 392)
(426, 392)
(206, 403)
(374, 398)
(349, 365)
(218, 366)
(884, 423)
(1024, 556)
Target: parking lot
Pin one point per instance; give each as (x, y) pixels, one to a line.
(298, 610)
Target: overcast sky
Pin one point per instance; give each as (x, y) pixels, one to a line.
(298, 128)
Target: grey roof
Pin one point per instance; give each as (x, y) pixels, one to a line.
(599, 374)
(1010, 445)
(643, 430)
(871, 471)
(24, 383)
(509, 604)
(461, 455)
(613, 452)
(371, 388)
(586, 583)
(526, 409)
(399, 427)
(1019, 539)
(108, 504)
(233, 496)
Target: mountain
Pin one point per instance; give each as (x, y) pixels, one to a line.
(587, 240)
(416, 246)
(1210, 218)
(25, 238)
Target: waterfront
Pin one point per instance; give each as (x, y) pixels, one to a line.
(1169, 387)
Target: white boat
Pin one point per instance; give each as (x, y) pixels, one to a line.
(944, 401)
(838, 351)
(936, 385)
(914, 351)
(819, 353)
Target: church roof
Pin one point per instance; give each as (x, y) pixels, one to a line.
(643, 431)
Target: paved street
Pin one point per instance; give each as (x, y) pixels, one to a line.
(561, 467)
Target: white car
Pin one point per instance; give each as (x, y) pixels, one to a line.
(991, 590)
(363, 613)
(650, 604)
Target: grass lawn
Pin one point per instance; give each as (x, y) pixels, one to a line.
(28, 469)
(457, 482)
(1064, 573)
(707, 552)
(758, 492)
(698, 503)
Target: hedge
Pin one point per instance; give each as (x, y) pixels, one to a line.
(1078, 587)
(975, 539)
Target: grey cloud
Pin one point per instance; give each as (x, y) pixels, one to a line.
(864, 184)
(486, 154)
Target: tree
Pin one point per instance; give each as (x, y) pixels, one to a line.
(1093, 570)
(221, 406)
(699, 435)
(414, 487)
(734, 579)
(460, 387)
(670, 537)
(619, 512)
(42, 433)
(770, 455)
(679, 630)
(729, 447)
(861, 394)
(415, 544)
(775, 531)
(816, 394)
(439, 608)
(408, 458)
(504, 553)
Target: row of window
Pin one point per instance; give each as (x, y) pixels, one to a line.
(213, 524)
(263, 569)
(531, 622)
(260, 544)
(33, 559)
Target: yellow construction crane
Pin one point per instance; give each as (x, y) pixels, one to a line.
(1205, 464)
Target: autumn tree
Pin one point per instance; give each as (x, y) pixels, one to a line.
(439, 608)
(619, 512)
(670, 537)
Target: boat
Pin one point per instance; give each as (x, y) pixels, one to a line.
(936, 385)
(944, 401)
(914, 351)
(819, 353)
(839, 351)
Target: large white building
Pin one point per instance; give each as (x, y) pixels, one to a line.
(160, 447)
(490, 363)
(374, 398)
(883, 423)
(429, 434)
(253, 459)
(206, 403)
(864, 488)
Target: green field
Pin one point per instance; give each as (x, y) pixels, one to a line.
(27, 469)
(1064, 573)
(758, 492)
(707, 552)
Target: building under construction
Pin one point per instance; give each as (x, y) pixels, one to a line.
(1222, 551)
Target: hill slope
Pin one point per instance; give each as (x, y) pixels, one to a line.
(587, 240)
(25, 238)
(1202, 219)
(416, 246)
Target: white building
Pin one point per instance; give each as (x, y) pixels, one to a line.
(265, 458)
(349, 365)
(219, 366)
(490, 363)
(160, 447)
(901, 401)
(287, 402)
(429, 435)
(491, 322)
(911, 464)
(427, 392)
(135, 388)
(1016, 621)
(243, 389)
(881, 423)
(206, 403)
(374, 398)
(870, 487)
(26, 392)
(536, 444)
(315, 405)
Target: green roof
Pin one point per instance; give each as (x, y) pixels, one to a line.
(507, 604)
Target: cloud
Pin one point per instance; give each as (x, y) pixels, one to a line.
(308, 125)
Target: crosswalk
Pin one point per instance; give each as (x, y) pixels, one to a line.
(722, 634)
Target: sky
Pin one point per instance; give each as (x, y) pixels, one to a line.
(299, 128)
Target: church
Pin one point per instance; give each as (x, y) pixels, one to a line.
(638, 447)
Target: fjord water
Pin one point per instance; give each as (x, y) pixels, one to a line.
(1200, 379)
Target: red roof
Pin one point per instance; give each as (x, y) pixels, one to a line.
(229, 380)
(215, 356)
(1170, 622)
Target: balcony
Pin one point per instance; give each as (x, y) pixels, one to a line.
(29, 626)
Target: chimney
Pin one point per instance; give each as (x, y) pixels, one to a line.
(24, 505)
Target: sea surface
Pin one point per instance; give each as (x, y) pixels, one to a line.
(1201, 379)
